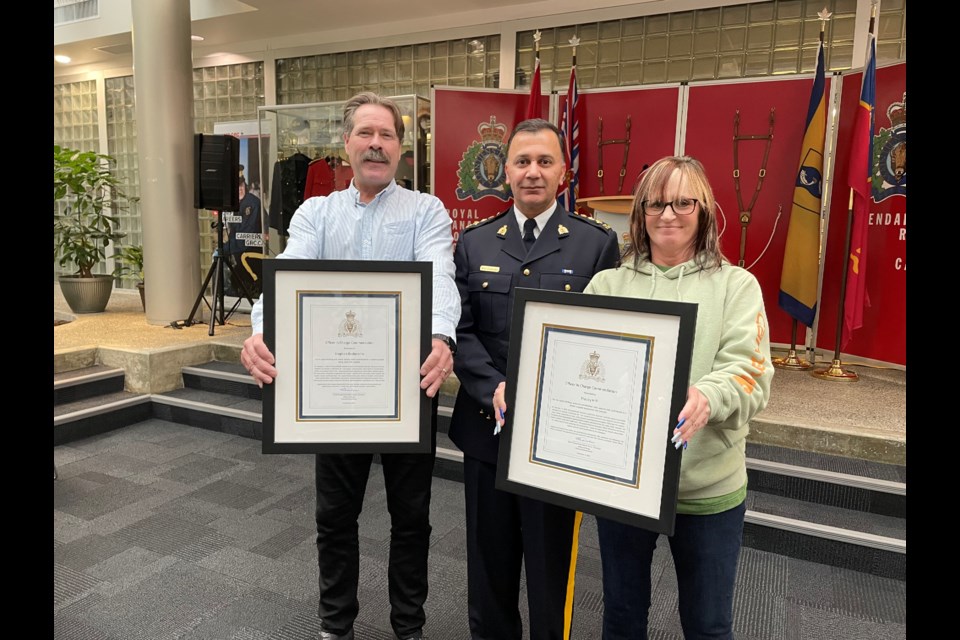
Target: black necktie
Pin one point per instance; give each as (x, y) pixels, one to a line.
(528, 238)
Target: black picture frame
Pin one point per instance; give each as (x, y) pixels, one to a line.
(320, 400)
(559, 448)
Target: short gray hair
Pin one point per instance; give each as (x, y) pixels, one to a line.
(369, 97)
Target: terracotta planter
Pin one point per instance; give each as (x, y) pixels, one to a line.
(87, 295)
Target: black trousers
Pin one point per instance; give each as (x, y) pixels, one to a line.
(503, 531)
(341, 480)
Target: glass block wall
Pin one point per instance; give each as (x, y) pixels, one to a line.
(75, 126)
(227, 93)
(891, 32)
(75, 115)
(122, 145)
(762, 39)
(403, 70)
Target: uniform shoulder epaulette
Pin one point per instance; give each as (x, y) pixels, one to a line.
(594, 221)
(479, 223)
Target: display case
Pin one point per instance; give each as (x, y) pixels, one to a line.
(302, 154)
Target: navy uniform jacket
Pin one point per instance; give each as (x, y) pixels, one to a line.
(491, 262)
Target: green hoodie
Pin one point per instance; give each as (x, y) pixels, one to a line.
(731, 362)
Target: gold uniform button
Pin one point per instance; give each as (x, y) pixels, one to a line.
(526, 272)
(485, 285)
(566, 287)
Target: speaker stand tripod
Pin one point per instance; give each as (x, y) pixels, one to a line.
(215, 273)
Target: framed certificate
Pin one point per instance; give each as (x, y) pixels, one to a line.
(349, 337)
(594, 387)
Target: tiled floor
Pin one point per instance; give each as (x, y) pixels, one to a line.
(164, 531)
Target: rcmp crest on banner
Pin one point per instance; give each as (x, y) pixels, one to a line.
(890, 154)
(482, 169)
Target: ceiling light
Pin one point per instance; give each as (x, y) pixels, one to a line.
(62, 59)
(197, 38)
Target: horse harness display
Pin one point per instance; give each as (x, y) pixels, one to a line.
(746, 212)
(626, 152)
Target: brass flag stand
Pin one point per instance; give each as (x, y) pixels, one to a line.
(792, 362)
(836, 371)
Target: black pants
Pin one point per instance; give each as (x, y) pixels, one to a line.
(341, 481)
(503, 531)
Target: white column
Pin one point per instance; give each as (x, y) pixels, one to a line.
(163, 77)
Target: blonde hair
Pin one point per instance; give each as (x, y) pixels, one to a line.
(653, 183)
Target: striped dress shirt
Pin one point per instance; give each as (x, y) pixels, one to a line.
(398, 224)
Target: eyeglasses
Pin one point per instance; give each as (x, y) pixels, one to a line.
(680, 206)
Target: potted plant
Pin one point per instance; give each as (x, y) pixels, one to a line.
(87, 226)
(130, 265)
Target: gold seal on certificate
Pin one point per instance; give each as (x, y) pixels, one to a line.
(592, 368)
(350, 327)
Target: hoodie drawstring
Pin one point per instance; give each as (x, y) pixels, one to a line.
(653, 275)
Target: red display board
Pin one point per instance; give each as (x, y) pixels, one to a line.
(472, 127)
(709, 137)
(653, 132)
(883, 335)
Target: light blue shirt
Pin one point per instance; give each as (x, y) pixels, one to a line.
(398, 224)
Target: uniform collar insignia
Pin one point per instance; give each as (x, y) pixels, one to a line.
(502, 231)
(562, 230)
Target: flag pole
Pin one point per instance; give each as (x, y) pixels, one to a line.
(567, 125)
(836, 371)
(534, 107)
(792, 362)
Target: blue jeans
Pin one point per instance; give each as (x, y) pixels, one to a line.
(705, 551)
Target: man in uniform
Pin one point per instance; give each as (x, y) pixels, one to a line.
(533, 244)
(373, 219)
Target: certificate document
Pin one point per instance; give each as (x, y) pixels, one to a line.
(591, 399)
(348, 357)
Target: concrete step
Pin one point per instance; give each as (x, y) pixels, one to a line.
(828, 480)
(846, 538)
(88, 382)
(93, 416)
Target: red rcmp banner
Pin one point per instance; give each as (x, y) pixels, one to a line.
(472, 126)
(711, 122)
(883, 336)
(651, 115)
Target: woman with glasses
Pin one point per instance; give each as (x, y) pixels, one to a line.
(674, 254)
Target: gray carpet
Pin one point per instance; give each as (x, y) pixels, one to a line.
(164, 531)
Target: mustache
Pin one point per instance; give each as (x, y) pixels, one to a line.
(375, 155)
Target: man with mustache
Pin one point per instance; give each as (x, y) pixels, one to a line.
(373, 219)
(534, 244)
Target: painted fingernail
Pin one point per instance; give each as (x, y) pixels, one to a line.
(677, 445)
(680, 424)
(685, 445)
(676, 436)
